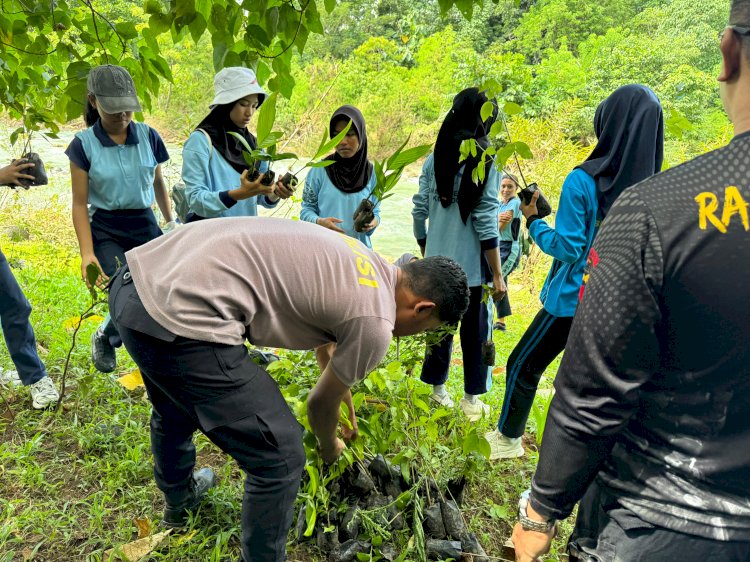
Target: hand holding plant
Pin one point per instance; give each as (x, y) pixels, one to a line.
(93, 277)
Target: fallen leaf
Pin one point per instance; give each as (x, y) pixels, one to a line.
(133, 551)
(497, 371)
(143, 524)
(185, 538)
(27, 554)
(132, 380)
(73, 321)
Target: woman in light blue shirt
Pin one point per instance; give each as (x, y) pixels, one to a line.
(462, 218)
(509, 222)
(332, 194)
(213, 167)
(115, 168)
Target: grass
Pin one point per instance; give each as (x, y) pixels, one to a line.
(78, 483)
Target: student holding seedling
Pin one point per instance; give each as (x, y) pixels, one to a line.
(509, 222)
(463, 225)
(115, 168)
(630, 128)
(332, 194)
(218, 179)
(648, 432)
(275, 283)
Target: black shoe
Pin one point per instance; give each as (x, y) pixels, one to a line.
(202, 481)
(499, 326)
(103, 355)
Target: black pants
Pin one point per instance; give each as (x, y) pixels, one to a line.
(605, 531)
(542, 341)
(218, 390)
(475, 329)
(113, 233)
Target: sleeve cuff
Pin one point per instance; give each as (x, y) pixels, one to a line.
(271, 203)
(226, 199)
(543, 510)
(489, 244)
(532, 219)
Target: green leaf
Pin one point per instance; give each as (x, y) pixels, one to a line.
(327, 146)
(266, 117)
(474, 443)
(523, 150)
(488, 108)
(242, 140)
(92, 274)
(496, 129)
(311, 515)
(511, 108)
(330, 5)
(126, 29)
(409, 156)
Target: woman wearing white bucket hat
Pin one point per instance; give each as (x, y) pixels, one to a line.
(213, 168)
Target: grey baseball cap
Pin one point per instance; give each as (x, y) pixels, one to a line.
(114, 89)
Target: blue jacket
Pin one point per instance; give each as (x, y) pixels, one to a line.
(208, 177)
(448, 235)
(568, 243)
(321, 198)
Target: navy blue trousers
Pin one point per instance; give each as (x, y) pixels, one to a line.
(19, 335)
(114, 233)
(542, 341)
(218, 390)
(475, 329)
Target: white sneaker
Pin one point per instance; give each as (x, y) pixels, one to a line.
(43, 393)
(474, 410)
(9, 378)
(502, 447)
(444, 400)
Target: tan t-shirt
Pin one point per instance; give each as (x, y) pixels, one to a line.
(276, 282)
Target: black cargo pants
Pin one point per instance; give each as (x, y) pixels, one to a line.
(217, 389)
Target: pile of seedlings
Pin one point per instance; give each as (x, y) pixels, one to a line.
(372, 506)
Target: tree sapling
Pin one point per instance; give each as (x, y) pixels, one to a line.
(387, 174)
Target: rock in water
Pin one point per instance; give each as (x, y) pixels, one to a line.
(440, 549)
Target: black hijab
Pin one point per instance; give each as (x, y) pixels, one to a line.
(630, 127)
(350, 175)
(218, 125)
(462, 122)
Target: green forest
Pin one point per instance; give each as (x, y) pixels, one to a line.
(76, 483)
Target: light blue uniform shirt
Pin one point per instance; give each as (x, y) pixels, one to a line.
(506, 234)
(206, 174)
(321, 198)
(448, 235)
(568, 243)
(121, 176)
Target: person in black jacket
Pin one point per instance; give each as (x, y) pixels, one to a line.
(649, 427)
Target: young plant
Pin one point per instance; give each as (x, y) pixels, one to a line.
(290, 179)
(387, 174)
(268, 139)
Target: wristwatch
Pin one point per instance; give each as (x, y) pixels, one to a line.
(531, 524)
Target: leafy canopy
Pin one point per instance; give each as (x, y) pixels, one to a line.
(48, 48)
